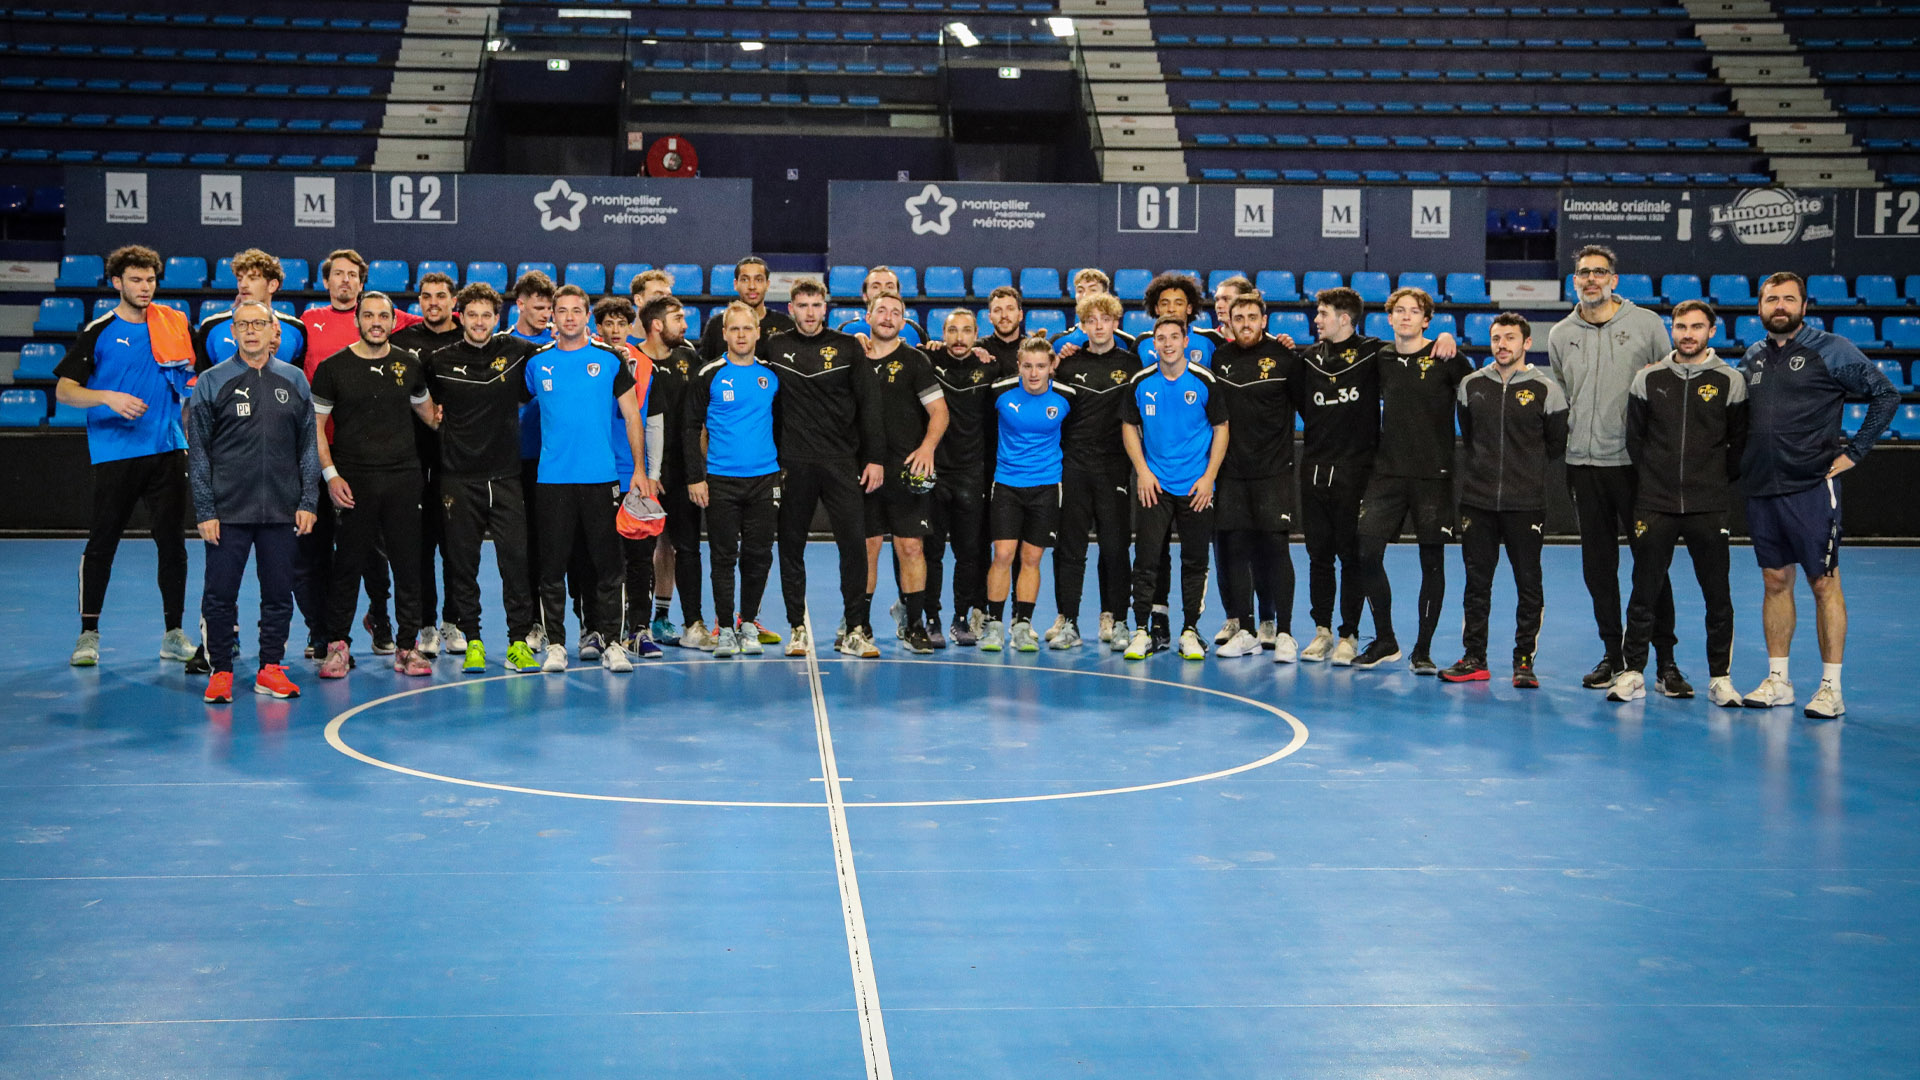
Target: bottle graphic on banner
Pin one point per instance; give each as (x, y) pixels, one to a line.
(1684, 225)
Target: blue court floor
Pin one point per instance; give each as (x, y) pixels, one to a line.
(956, 868)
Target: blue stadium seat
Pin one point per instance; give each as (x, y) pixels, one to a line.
(1216, 277)
(936, 323)
(1749, 329)
(1678, 287)
(722, 277)
(223, 275)
(38, 359)
(102, 306)
(1277, 286)
(1373, 286)
(1376, 325)
(1315, 281)
(285, 307)
(591, 276)
(1425, 282)
(177, 305)
(946, 282)
(389, 276)
(1638, 288)
(1730, 290)
(840, 316)
(1442, 324)
(547, 268)
(1859, 330)
(296, 271)
(1877, 290)
(184, 272)
(1480, 329)
(1048, 322)
(59, 315)
(490, 273)
(1903, 331)
(686, 277)
(845, 282)
(624, 273)
(1294, 324)
(1895, 371)
(1722, 342)
(23, 408)
(80, 272)
(1906, 422)
(68, 416)
(1136, 323)
(1131, 284)
(437, 266)
(1852, 419)
(1467, 289)
(210, 308)
(988, 278)
(1829, 290)
(1040, 283)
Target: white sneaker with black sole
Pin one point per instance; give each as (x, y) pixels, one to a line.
(1773, 692)
(1226, 631)
(1826, 704)
(1240, 644)
(1720, 691)
(427, 642)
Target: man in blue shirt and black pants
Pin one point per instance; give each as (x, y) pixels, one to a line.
(136, 445)
(1174, 425)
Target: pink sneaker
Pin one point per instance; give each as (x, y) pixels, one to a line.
(337, 663)
(410, 662)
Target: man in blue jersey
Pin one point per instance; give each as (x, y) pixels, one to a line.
(1030, 412)
(532, 297)
(1798, 380)
(1176, 295)
(256, 487)
(1174, 425)
(259, 277)
(737, 479)
(136, 445)
(571, 379)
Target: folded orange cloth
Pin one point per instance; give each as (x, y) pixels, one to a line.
(171, 335)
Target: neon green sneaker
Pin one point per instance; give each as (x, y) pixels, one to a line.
(476, 658)
(520, 657)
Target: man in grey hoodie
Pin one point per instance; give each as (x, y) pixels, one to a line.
(1595, 352)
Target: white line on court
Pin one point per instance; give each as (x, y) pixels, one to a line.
(866, 990)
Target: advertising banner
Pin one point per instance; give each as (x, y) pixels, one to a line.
(1704, 231)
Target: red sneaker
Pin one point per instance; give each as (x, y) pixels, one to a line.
(219, 689)
(273, 680)
(410, 662)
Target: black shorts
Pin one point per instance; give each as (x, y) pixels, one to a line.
(1799, 529)
(1264, 504)
(1030, 515)
(896, 511)
(1388, 501)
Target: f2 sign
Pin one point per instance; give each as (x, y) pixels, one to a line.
(410, 199)
(1887, 215)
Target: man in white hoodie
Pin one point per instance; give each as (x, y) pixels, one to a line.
(1595, 352)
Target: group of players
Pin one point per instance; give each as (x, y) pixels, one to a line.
(356, 441)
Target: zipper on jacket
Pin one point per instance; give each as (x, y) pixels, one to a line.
(1687, 385)
(1500, 472)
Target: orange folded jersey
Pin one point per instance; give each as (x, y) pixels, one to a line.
(172, 336)
(639, 517)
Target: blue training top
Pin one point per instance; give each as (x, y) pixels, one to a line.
(530, 412)
(1176, 419)
(735, 403)
(1029, 452)
(113, 354)
(571, 388)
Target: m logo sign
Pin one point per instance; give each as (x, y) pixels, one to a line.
(219, 200)
(1432, 214)
(127, 198)
(314, 206)
(1253, 211)
(1340, 214)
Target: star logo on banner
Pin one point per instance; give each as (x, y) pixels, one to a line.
(932, 212)
(560, 207)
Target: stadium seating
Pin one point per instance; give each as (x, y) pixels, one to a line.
(23, 408)
(946, 283)
(1046, 321)
(1277, 286)
(490, 273)
(624, 273)
(388, 276)
(1040, 283)
(437, 266)
(1902, 331)
(1829, 290)
(688, 278)
(81, 272)
(593, 277)
(1859, 330)
(58, 315)
(38, 359)
(547, 268)
(68, 416)
(184, 272)
(988, 278)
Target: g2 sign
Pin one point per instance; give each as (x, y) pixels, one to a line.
(411, 199)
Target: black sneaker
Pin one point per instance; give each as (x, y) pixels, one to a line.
(382, 634)
(1603, 673)
(1161, 633)
(1377, 652)
(1672, 683)
(198, 664)
(1422, 664)
(917, 640)
(1466, 669)
(934, 637)
(1523, 676)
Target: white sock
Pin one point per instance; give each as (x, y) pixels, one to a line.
(1830, 675)
(1777, 667)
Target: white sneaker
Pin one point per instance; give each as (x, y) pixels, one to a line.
(556, 660)
(993, 636)
(750, 640)
(1826, 703)
(1344, 652)
(1022, 638)
(1106, 626)
(1140, 646)
(857, 643)
(899, 613)
(175, 646)
(798, 641)
(1774, 691)
(1067, 637)
(1240, 644)
(1226, 632)
(1319, 647)
(1627, 686)
(427, 642)
(725, 643)
(1720, 691)
(1266, 633)
(1059, 624)
(451, 639)
(86, 650)
(1285, 649)
(697, 636)
(537, 639)
(1192, 648)
(614, 658)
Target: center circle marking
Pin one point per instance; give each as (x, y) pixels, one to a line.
(1299, 739)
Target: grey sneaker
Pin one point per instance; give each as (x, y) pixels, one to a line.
(899, 612)
(859, 642)
(1227, 630)
(1345, 651)
(1067, 637)
(1319, 647)
(1120, 638)
(175, 646)
(427, 643)
(1106, 626)
(451, 639)
(86, 651)
(1266, 634)
(1023, 639)
(537, 638)
(750, 641)
(962, 633)
(725, 643)
(934, 637)
(976, 620)
(993, 636)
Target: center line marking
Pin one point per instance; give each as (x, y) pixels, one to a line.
(866, 991)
